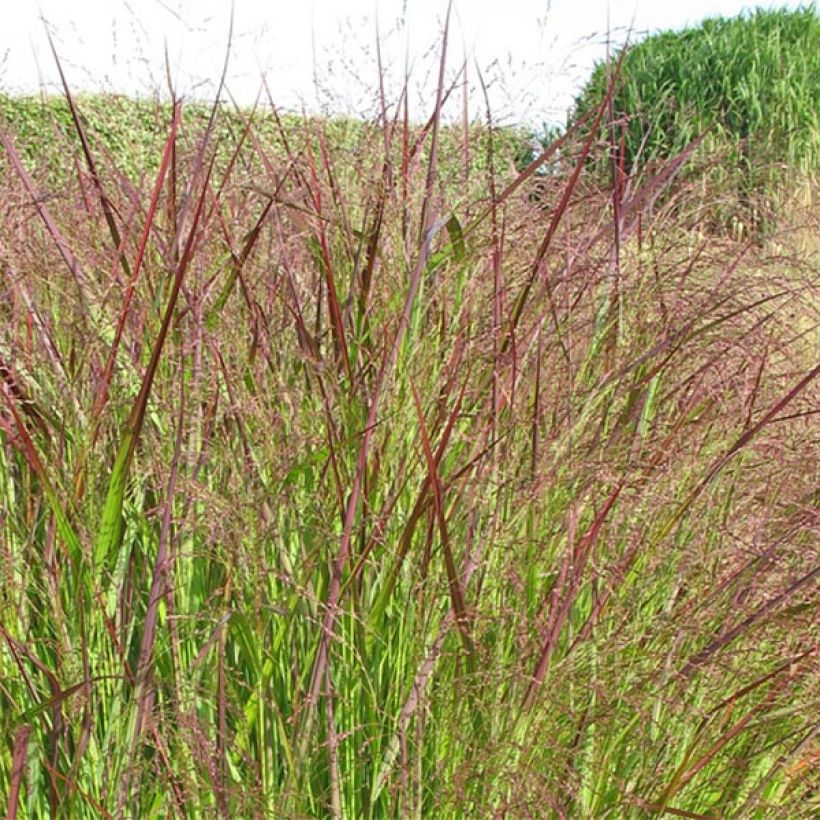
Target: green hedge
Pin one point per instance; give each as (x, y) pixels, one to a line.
(131, 132)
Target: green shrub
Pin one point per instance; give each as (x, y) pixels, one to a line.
(748, 83)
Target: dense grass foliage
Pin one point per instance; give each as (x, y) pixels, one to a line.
(748, 83)
(131, 132)
(338, 479)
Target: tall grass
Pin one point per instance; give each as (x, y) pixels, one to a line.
(340, 481)
(747, 85)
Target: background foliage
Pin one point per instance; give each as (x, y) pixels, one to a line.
(749, 84)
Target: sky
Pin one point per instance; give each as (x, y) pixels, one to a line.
(320, 55)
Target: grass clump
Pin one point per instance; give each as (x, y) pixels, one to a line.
(336, 480)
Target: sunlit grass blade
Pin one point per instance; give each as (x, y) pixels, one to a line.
(17, 771)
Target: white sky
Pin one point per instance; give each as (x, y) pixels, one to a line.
(320, 54)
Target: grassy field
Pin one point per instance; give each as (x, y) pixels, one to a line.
(342, 476)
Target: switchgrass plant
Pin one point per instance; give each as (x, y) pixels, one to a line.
(337, 481)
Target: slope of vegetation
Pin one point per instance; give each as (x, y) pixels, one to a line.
(748, 86)
(338, 478)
